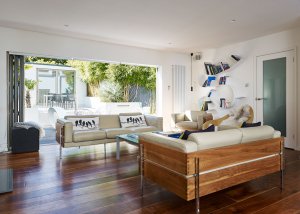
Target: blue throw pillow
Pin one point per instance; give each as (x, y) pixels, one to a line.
(175, 135)
(186, 133)
(247, 125)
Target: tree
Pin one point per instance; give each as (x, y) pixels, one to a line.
(92, 73)
(29, 84)
(131, 79)
(44, 60)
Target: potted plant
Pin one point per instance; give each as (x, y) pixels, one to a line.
(29, 84)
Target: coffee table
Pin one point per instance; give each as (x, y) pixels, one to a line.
(132, 139)
(6, 180)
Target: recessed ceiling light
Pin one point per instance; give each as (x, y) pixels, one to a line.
(233, 20)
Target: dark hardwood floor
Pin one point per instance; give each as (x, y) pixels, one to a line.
(84, 182)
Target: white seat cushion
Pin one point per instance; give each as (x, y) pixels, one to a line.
(257, 133)
(113, 132)
(207, 140)
(89, 135)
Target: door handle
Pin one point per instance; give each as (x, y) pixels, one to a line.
(260, 98)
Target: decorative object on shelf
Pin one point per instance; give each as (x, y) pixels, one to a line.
(223, 97)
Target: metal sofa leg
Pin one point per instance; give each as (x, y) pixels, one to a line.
(60, 151)
(142, 168)
(197, 185)
(60, 143)
(282, 169)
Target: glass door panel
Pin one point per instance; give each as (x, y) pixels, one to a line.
(274, 94)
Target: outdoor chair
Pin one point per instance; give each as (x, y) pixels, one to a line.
(68, 101)
(57, 100)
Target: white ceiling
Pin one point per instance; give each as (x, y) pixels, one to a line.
(177, 25)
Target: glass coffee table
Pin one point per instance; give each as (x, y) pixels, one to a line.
(6, 180)
(132, 139)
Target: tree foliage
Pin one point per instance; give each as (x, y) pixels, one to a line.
(130, 76)
(91, 73)
(44, 60)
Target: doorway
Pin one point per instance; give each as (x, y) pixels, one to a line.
(276, 94)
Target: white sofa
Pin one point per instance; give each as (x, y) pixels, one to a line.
(109, 127)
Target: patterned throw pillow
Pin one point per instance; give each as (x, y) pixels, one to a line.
(85, 123)
(132, 121)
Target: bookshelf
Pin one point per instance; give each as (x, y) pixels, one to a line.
(220, 96)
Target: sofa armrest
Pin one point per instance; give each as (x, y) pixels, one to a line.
(175, 118)
(155, 121)
(67, 128)
(200, 121)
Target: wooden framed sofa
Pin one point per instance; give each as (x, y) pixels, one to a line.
(105, 131)
(209, 162)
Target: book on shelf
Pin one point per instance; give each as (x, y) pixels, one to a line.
(236, 58)
(208, 81)
(207, 68)
(205, 105)
(225, 66)
(209, 94)
(222, 103)
(222, 80)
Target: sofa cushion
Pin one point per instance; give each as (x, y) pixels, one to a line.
(257, 133)
(113, 132)
(132, 121)
(169, 142)
(88, 135)
(187, 125)
(109, 121)
(206, 140)
(143, 129)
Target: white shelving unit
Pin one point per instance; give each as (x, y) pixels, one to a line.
(221, 91)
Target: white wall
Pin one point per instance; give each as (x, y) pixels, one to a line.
(248, 50)
(58, 46)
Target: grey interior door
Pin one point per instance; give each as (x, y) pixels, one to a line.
(276, 94)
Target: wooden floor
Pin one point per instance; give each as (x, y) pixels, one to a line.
(84, 182)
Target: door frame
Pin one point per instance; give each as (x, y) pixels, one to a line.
(294, 88)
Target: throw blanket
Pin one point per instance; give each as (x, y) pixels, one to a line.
(30, 124)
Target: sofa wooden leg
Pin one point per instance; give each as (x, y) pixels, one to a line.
(142, 168)
(197, 184)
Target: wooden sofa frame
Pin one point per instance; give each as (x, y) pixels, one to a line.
(191, 175)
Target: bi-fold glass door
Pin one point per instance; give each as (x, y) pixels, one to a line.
(15, 92)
